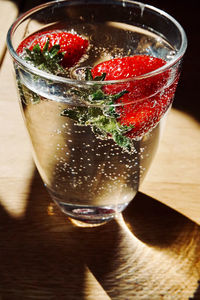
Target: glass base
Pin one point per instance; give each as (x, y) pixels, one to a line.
(83, 215)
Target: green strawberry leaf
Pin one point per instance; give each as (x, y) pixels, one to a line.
(102, 118)
(49, 59)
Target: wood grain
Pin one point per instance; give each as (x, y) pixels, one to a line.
(152, 251)
(174, 176)
(9, 11)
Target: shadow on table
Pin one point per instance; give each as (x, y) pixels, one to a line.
(39, 260)
(157, 254)
(151, 250)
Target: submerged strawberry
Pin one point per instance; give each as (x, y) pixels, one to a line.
(146, 99)
(50, 49)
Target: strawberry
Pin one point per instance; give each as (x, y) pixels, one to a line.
(47, 47)
(146, 99)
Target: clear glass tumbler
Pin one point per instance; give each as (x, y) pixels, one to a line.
(91, 147)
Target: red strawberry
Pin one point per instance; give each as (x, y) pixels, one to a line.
(72, 45)
(147, 99)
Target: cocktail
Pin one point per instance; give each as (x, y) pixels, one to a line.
(96, 80)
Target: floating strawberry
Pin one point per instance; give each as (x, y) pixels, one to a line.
(53, 51)
(145, 100)
(140, 103)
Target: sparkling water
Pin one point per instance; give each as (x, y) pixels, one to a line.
(91, 178)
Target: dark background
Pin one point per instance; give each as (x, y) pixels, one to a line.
(187, 14)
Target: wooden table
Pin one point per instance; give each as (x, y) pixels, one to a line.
(151, 252)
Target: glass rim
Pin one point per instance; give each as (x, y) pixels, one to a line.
(56, 78)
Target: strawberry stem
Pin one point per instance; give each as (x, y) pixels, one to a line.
(103, 116)
(47, 59)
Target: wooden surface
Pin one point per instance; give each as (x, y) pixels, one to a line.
(151, 252)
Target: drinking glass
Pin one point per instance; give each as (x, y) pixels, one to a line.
(91, 173)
